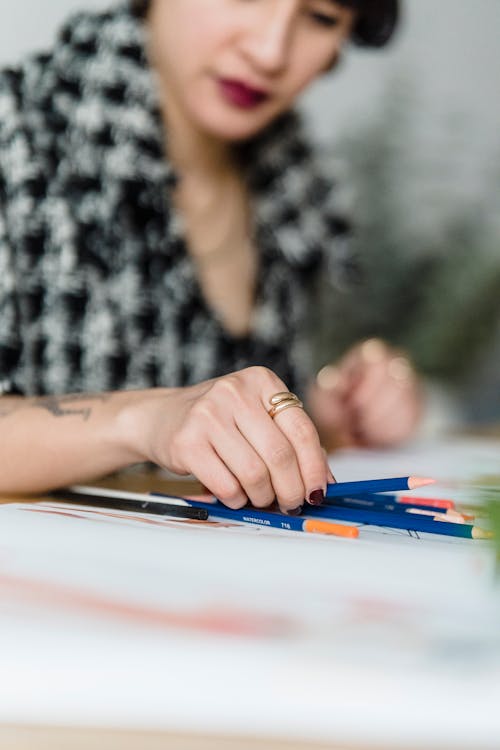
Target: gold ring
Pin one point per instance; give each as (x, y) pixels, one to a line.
(283, 400)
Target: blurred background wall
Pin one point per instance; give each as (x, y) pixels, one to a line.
(413, 133)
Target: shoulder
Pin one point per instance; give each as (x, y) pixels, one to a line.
(22, 93)
(88, 52)
(51, 103)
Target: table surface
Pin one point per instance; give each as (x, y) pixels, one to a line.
(39, 737)
(59, 738)
(51, 738)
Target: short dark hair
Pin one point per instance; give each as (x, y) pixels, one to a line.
(374, 26)
(139, 7)
(376, 21)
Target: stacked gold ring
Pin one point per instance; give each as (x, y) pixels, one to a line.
(283, 400)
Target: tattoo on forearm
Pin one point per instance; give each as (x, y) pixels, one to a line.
(58, 406)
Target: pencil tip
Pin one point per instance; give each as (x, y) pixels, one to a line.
(414, 482)
(478, 533)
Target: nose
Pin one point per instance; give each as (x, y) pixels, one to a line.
(267, 39)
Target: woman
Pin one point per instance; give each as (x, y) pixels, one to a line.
(162, 222)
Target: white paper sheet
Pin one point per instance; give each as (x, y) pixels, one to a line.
(132, 621)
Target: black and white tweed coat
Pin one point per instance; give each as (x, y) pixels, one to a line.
(97, 291)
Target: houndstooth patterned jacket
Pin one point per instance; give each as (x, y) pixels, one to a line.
(97, 291)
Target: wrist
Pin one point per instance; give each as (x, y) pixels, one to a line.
(135, 422)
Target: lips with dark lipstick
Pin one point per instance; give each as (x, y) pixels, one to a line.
(241, 95)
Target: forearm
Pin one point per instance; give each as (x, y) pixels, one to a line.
(51, 441)
(219, 430)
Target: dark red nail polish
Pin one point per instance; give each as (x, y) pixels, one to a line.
(295, 511)
(316, 497)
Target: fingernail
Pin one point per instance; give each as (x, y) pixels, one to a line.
(295, 511)
(316, 497)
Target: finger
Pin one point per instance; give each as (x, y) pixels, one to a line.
(324, 404)
(333, 380)
(390, 419)
(366, 354)
(247, 393)
(277, 453)
(375, 401)
(297, 426)
(374, 351)
(338, 434)
(282, 463)
(212, 472)
(375, 382)
(371, 416)
(245, 464)
(369, 392)
(329, 414)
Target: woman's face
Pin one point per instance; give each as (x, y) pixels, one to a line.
(230, 67)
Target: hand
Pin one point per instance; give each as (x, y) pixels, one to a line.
(221, 432)
(370, 398)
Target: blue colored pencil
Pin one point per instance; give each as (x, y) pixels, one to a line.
(272, 520)
(398, 520)
(438, 505)
(383, 503)
(394, 484)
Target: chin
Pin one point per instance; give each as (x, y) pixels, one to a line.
(234, 127)
(236, 132)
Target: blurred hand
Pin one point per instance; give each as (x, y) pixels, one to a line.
(220, 431)
(371, 397)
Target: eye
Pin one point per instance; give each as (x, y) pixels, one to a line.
(323, 19)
